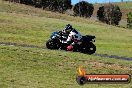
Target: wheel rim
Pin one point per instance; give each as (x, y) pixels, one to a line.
(51, 43)
(92, 49)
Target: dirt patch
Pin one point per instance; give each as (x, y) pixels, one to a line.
(35, 46)
(112, 66)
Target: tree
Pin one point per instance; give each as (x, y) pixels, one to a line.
(52, 5)
(83, 9)
(109, 14)
(57, 5)
(129, 20)
(100, 14)
(27, 2)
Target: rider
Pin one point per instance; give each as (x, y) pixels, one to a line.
(74, 37)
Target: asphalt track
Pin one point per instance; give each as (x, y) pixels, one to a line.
(34, 46)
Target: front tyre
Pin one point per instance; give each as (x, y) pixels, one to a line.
(52, 44)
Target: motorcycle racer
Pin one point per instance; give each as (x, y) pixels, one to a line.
(71, 40)
(74, 37)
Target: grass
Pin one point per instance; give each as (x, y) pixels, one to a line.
(124, 5)
(43, 68)
(37, 68)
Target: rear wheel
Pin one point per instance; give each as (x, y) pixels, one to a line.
(52, 44)
(89, 48)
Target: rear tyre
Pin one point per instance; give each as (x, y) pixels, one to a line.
(91, 48)
(88, 48)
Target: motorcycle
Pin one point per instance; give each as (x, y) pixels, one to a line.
(87, 46)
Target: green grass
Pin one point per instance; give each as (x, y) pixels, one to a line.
(43, 68)
(38, 68)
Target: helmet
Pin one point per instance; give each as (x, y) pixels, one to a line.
(69, 48)
(68, 28)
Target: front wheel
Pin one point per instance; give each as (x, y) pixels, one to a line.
(52, 44)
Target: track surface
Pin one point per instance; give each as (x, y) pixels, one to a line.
(96, 54)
